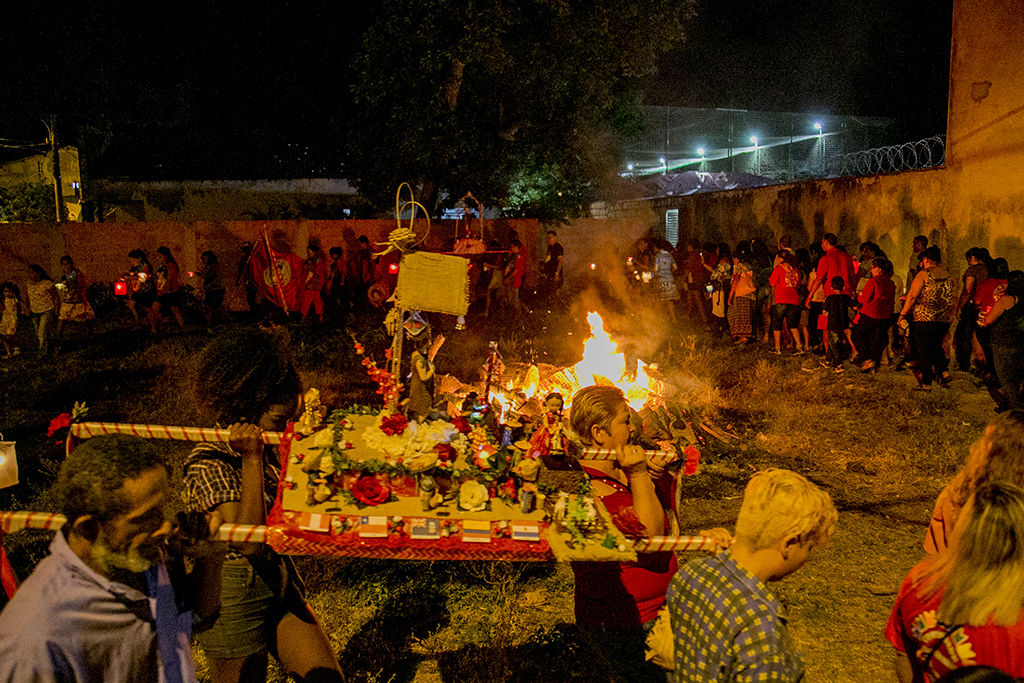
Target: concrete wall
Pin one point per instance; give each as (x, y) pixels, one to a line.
(977, 199)
(39, 169)
(100, 250)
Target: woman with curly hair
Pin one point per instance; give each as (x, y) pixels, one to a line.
(248, 380)
(997, 456)
(966, 606)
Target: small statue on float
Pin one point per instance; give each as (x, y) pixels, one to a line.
(528, 470)
(421, 374)
(550, 441)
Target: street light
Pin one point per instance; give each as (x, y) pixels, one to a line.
(817, 127)
(754, 140)
(700, 151)
(664, 166)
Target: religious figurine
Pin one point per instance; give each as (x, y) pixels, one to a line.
(549, 441)
(528, 470)
(319, 467)
(421, 377)
(430, 497)
(312, 414)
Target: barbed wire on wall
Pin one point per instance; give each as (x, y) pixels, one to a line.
(909, 156)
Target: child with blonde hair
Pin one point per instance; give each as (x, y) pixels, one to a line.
(728, 625)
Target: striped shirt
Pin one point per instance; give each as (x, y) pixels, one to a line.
(727, 626)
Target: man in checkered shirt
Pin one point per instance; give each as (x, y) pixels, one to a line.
(726, 624)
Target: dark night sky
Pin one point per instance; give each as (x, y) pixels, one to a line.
(850, 57)
(255, 80)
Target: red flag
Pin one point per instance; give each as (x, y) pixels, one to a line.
(282, 283)
(7, 578)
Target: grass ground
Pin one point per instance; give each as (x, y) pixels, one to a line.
(881, 450)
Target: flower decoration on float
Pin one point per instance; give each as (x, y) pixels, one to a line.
(64, 421)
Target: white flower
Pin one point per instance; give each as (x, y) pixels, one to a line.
(473, 496)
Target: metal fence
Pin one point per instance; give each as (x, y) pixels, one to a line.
(776, 146)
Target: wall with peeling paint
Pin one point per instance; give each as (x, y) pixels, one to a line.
(977, 199)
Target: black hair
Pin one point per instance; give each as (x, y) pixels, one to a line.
(785, 241)
(1015, 284)
(999, 268)
(242, 373)
(67, 258)
(838, 283)
(932, 253)
(831, 238)
(923, 239)
(723, 250)
(17, 292)
(884, 265)
(364, 239)
(139, 254)
(166, 253)
(335, 251)
(210, 257)
(92, 477)
(38, 270)
(516, 243)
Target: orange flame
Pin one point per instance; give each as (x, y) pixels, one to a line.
(603, 363)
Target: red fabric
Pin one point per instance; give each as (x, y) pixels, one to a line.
(913, 624)
(621, 595)
(878, 298)
(519, 271)
(284, 289)
(785, 281)
(985, 293)
(836, 263)
(694, 269)
(7, 578)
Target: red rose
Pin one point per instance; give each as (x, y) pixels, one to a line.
(393, 424)
(462, 424)
(370, 491)
(445, 453)
(509, 488)
(692, 460)
(60, 422)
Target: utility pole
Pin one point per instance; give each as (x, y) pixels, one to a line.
(58, 192)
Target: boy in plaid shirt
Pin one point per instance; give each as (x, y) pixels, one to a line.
(727, 625)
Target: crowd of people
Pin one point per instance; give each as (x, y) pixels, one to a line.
(851, 310)
(333, 288)
(113, 600)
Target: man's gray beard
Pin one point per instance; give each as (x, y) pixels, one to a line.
(108, 560)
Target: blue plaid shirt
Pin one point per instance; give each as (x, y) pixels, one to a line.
(728, 626)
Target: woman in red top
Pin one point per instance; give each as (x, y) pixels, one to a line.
(168, 290)
(964, 607)
(785, 282)
(877, 299)
(985, 296)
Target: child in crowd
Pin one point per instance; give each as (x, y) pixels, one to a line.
(515, 270)
(619, 602)
(9, 318)
(247, 381)
(727, 625)
(837, 312)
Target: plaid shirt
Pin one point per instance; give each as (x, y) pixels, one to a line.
(213, 476)
(728, 626)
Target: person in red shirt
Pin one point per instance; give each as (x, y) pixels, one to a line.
(985, 296)
(964, 607)
(314, 278)
(785, 282)
(515, 271)
(876, 301)
(835, 263)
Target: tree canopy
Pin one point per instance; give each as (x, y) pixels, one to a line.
(511, 100)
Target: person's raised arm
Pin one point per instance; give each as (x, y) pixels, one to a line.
(645, 498)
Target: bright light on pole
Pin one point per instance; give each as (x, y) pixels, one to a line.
(817, 127)
(664, 166)
(754, 140)
(700, 151)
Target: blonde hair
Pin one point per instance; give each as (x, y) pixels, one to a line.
(982, 573)
(595, 406)
(778, 503)
(997, 456)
